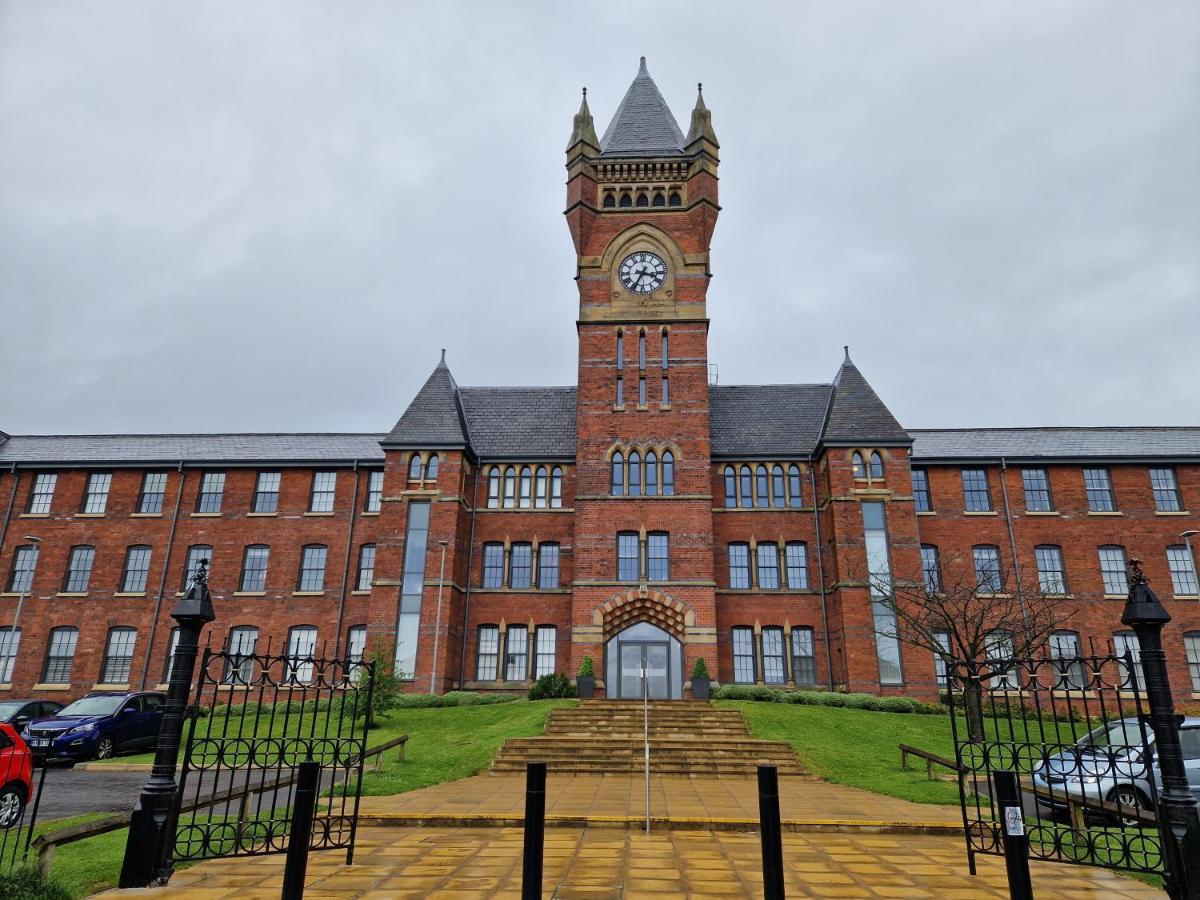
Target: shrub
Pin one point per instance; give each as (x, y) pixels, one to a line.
(28, 883)
(550, 686)
(831, 699)
(699, 670)
(587, 668)
(897, 705)
(386, 687)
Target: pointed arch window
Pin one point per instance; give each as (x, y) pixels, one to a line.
(635, 474)
(618, 474)
(795, 491)
(777, 488)
(668, 474)
(556, 488)
(659, 200)
(414, 468)
(675, 200)
(493, 497)
(540, 486)
(651, 474)
(730, 488)
(747, 487)
(764, 490)
(626, 201)
(876, 465)
(526, 488)
(510, 487)
(856, 463)
(610, 201)
(431, 468)
(643, 200)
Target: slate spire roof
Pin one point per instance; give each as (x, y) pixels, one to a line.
(643, 124)
(435, 418)
(856, 414)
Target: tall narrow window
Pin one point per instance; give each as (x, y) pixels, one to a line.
(302, 647)
(266, 493)
(154, 488)
(95, 501)
(20, 581)
(366, 568)
(730, 487)
(1166, 490)
(540, 488)
(516, 653)
(1064, 650)
(768, 567)
(876, 465)
(987, 568)
(520, 566)
(666, 391)
(414, 467)
(547, 566)
(743, 655)
(628, 568)
(976, 496)
(658, 563)
(526, 498)
(493, 566)
(856, 465)
(431, 468)
(510, 488)
(1037, 490)
(651, 474)
(618, 474)
(778, 494)
(879, 570)
(795, 489)
(620, 401)
(10, 642)
(545, 650)
(1125, 645)
(169, 662)
(118, 655)
(356, 644)
(804, 657)
(1191, 643)
(642, 391)
(1052, 577)
(666, 350)
(556, 488)
(1099, 490)
(641, 349)
(374, 491)
(774, 668)
(1113, 570)
(920, 487)
(42, 495)
(668, 473)
(79, 569)
(739, 566)
(1183, 570)
(212, 492)
(747, 486)
(254, 568)
(931, 569)
(312, 568)
(763, 497)
(324, 487)
(620, 350)
(493, 491)
(487, 654)
(796, 554)
(191, 565)
(941, 659)
(60, 655)
(136, 571)
(635, 474)
(998, 648)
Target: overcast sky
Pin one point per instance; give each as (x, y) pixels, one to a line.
(260, 216)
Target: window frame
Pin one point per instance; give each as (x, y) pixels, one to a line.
(487, 653)
(126, 638)
(21, 576)
(306, 581)
(1097, 485)
(72, 582)
(41, 498)
(772, 636)
(802, 635)
(190, 565)
(152, 493)
(801, 583)
(95, 493)
(767, 552)
(548, 562)
(985, 585)
(520, 566)
(1038, 497)
(922, 498)
(516, 661)
(1184, 574)
(1051, 553)
(541, 653)
(1167, 497)
(141, 554)
(626, 563)
(931, 568)
(374, 499)
(973, 493)
(253, 550)
(492, 573)
(266, 499)
(299, 666)
(52, 668)
(322, 494)
(209, 499)
(742, 568)
(1108, 570)
(746, 635)
(658, 564)
(365, 568)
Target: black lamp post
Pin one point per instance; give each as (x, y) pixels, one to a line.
(1178, 813)
(151, 841)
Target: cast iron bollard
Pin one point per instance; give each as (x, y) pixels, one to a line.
(1016, 843)
(151, 840)
(772, 834)
(304, 804)
(535, 831)
(1178, 814)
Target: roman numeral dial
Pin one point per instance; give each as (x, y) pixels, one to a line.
(642, 272)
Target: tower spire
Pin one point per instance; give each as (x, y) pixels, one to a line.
(584, 130)
(701, 128)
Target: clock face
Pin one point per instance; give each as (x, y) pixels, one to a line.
(642, 272)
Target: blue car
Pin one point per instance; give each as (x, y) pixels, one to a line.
(97, 726)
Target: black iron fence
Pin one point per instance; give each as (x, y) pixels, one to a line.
(256, 718)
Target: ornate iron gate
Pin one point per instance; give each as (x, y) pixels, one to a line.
(256, 717)
(1074, 730)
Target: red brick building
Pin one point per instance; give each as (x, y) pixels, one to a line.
(642, 514)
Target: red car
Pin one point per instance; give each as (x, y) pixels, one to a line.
(16, 776)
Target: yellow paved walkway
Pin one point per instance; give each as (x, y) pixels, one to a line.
(591, 863)
(688, 801)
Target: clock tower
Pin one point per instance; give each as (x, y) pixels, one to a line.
(641, 208)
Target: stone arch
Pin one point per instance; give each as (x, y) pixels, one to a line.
(642, 604)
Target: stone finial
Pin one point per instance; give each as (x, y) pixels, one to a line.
(701, 128)
(584, 130)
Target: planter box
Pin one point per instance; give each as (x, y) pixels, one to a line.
(586, 685)
(700, 688)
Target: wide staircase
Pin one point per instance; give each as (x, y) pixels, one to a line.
(687, 737)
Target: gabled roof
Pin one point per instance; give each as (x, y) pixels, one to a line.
(435, 418)
(521, 422)
(857, 415)
(1020, 444)
(165, 449)
(643, 124)
(766, 419)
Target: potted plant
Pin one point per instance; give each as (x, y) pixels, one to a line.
(700, 682)
(586, 680)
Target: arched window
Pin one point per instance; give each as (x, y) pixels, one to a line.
(668, 475)
(675, 200)
(666, 349)
(659, 199)
(642, 349)
(618, 474)
(510, 487)
(493, 489)
(556, 488)
(620, 349)
(626, 201)
(610, 201)
(651, 474)
(635, 474)
(795, 491)
(539, 497)
(526, 488)
(643, 200)
(730, 488)
(856, 463)
(876, 465)
(764, 490)
(431, 468)
(777, 491)
(414, 468)
(747, 487)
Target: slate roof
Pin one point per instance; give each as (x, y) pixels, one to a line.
(1054, 443)
(766, 419)
(643, 124)
(79, 449)
(521, 422)
(435, 418)
(857, 415)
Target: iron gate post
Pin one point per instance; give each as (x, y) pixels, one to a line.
(148, 851)
(1178, 813)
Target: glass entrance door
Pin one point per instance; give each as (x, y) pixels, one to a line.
(654, 657)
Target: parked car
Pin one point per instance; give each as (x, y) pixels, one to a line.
(1108, 764)
(97, 726)
(16, 776)
(19, 713)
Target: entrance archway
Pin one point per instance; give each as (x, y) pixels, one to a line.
(643, 645)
